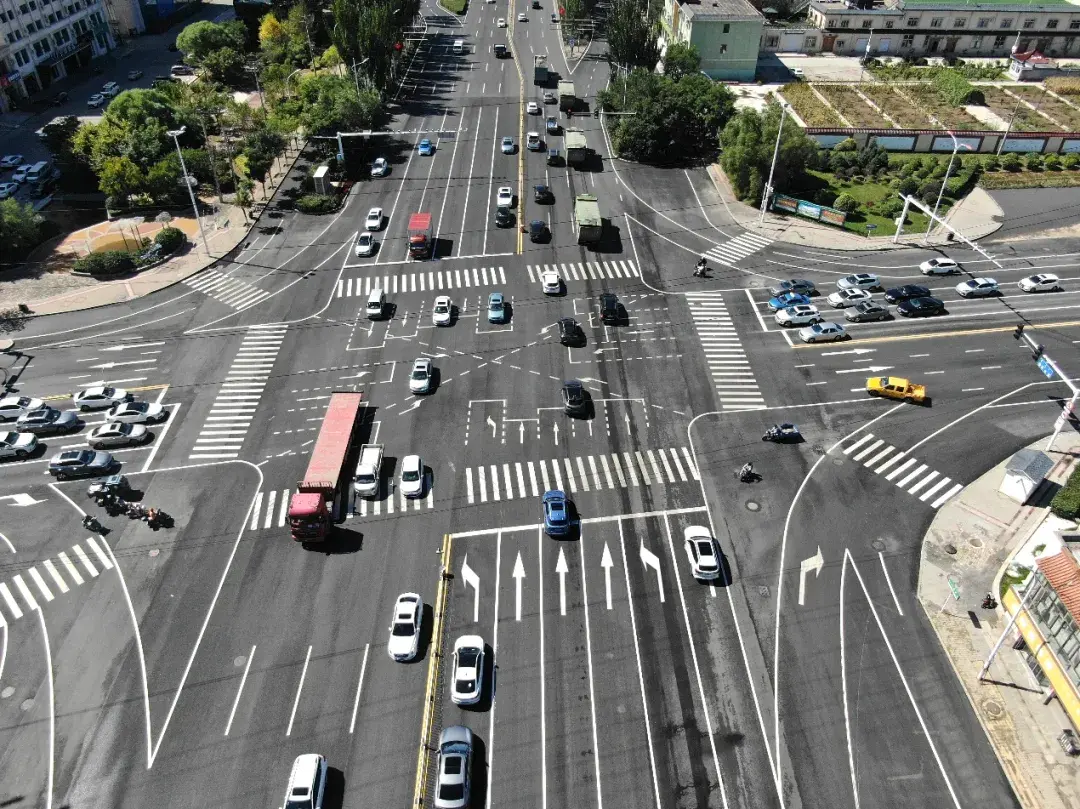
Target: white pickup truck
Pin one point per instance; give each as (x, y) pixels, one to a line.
(366, 480)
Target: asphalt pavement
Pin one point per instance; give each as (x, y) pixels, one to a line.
(156, 667)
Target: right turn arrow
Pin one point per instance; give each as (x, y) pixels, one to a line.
(814, 563)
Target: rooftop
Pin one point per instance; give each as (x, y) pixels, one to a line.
(1063, 573)
(720, 10)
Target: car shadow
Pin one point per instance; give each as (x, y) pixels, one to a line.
(423, 644)
(334, 795)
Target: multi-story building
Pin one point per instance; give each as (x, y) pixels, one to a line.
(726, 34)
(42, 41)
(916, 28)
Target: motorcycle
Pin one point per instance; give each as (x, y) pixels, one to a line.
(746, 474)
(781, 432)
(90, 523)
(989, 602)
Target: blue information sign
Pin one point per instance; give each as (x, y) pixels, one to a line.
(1044, 366)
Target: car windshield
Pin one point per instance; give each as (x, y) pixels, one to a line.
(108, 392)
(8, 438)
(419, 373)
(410, 475)
(404, 629)
(467, 657)
(704, 547)
(441, 308)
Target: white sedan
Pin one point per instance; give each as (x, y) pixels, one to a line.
(380, 168)
(501, 23)
(374, 219)
(412, 476)
(800, 315)
(99, 397)
(939, 266)
(822, 333)
(468, 670)
(552, 282)
(117, 434)
(17, 445)
(11, 407)
(441, 313)
(421, 377)
(8, 190)
(365, 245)
(533, 108)
(862, 280)
(137, 413)
(702, 553)
(1043, 282)
(977, 288)
(505, 196)
(843, 298)
(405, 630)
(10, 161)
(522, 17)
(95, 101)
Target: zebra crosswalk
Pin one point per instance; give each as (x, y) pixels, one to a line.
(728, 366)
(230, 291)
(231, 413)
(582, 473)
(740, 247)
(902, 470)
(271, 509)
(584, 270)
(63, 574)
(426, 281)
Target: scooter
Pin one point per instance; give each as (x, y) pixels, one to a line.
(90, 523)
(781, 432)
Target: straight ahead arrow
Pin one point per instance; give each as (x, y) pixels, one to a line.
(562, 570)
(607, 564)
(556, 427)
(21, 499)
(602, 350)
(870, 369)
(128, 346)
(849, 351)
(521, 432)
(518, 574)
(107, 365)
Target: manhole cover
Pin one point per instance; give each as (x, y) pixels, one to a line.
(878, 544)
(763, 591)
(27, 704)
(838, 461)
(992, 709)
(239, 660)
(7, 692)
(950, 548)
(752, 505)
(975, 542)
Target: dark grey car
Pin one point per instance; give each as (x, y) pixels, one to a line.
(80, 463)
(800, 286)
(454, 782)
(575, 399)
(47, 421)
(866, 312)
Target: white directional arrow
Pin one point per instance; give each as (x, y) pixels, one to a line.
(562, 569)
(21, 499)
(642, 331)
(468, 575)
(602, 350)
(556, 427)
(626, 418)
(415, 405)
(872, 369)
(650, 559)
(849, 351)
(518, 574)
(521, 432)
(814, 563)
(494, 426)
(607, 564)
(548, 328)
(128, 346)
(108, 365)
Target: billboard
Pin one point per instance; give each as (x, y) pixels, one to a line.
(810, 210)
(1024, 145)
(946, 144)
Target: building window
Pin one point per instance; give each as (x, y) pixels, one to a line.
(912, 22)
(999, 42)
(810, 43)
(936, 22)
(1006, 23)
(866, 24)
(1029, 23)
(727, 28)
(723, 49)
(845, 23)
(30, 28)
(889, 23)
(33, 5)
(3, 16)
(976, 43)
(984, 22)
(10, 38)
(772, 42)
(959, 22)
(1052, 23)
(908, 41)
(24, 9)
(1074, 25)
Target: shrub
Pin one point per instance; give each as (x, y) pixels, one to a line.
(1011, 162)
(1071, 161)
(991, 162)
(1066, 503)
(908, 186)
(316, 203)
(1052, 162)
(846, 203)
(858, 178)
(955, 90)
(928, 189)
(170, 239)
(891, 207)
(846, 145)
(106, 263)
(1033, 161)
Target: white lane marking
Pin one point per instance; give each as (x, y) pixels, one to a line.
(299, 689)
(239, 690)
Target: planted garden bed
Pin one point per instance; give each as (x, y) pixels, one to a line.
(906, 115)
(808, 106)
(950, 117)
(1067, 116)
(854, 108)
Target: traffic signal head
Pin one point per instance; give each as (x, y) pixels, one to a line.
(1019, 332)
(1036, 353)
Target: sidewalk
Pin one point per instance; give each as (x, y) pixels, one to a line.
(976, 216)
(54, 293)
(974, 537)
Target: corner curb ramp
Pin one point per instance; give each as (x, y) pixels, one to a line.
(431, 688)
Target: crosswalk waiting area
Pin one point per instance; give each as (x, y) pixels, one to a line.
(902, 470)
(429, 281)
(729, 367)
(584, 270)
(231, 413)
(271, 509)
(230, 291)
(743, 245)
(584, 473)
(18, 597)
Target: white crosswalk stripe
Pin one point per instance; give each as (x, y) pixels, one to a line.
(230, 291)
(906, 472)
(728, 365)
(582, 473)
(743, 245)
(584, 270)
(271, 509)
(231, 413)
(424, 281)
(18, 597)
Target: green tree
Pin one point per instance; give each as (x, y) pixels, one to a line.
(198, 40)
(260, 149)
(120, 178)
(330, 103)
(681, 59)
(846, 203)
(226, 66)
(370, 32)
(748, 140)
(283, 39)
(633, 34)
(1010, 161)
(163, 179)
(20, 226)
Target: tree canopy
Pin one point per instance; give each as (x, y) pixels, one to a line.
(200, 39)
(633, 34)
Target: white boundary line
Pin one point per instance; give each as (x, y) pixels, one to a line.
(240, 690)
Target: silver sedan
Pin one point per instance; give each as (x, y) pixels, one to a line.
(117, 434)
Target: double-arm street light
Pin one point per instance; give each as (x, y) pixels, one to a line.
(956, 147)
(175, 135)
(776, 151)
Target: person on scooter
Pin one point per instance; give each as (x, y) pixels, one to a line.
(747, 472)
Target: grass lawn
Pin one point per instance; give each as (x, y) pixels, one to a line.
(1030, 179)
(456, 6)
(867, 192)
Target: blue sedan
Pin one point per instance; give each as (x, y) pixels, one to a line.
(786, 300)
(426, 147)
(556, 513)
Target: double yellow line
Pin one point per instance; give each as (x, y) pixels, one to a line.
(431, 688)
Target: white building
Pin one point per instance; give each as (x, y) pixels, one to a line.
(43, 41)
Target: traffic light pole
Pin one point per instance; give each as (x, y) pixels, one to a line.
(1038, 355)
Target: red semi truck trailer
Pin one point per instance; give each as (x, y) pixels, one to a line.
(420, 243)
(321, 496)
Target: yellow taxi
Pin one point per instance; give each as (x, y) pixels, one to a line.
(894, 387)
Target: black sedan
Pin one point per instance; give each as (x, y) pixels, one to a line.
(906, 293)
(921, 307)
(569, 332)
(80, 464)
(542, 194)
(575, 398)
(538, 231)
(866, 312)
(504, 217)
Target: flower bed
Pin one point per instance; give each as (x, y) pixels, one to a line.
(808, 106)
(854, 108)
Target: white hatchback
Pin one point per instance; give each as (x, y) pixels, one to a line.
(702, 553)
(843, 298)
(1043, 282)
(822, 333)
(800, 315)
(11, 407)
(939, 266)
(977, 288)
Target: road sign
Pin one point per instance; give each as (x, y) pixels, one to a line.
(954, 586)
(871, 226)
(1044, 366)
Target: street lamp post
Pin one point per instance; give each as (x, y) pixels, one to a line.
(944, 182)
(175, 135)
(772, 168)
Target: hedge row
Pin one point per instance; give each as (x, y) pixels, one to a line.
(170, 239)
(316, 203)
(110, 262)
(1066, 503)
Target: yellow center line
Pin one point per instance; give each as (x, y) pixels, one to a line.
(432, 683)
(55, 396)
(929, 335)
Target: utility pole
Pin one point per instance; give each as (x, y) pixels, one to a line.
(1016, 109)
(1049, 368)
(944, 182)
(772, 168)
(175, 135)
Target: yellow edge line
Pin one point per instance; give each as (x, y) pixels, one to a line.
(55, 396)
(927, 336)
(432, 684)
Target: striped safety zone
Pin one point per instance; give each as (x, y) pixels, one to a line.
(738, 248)
(230, 291)
(583, 473)
(27, 590)
(906, 472)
